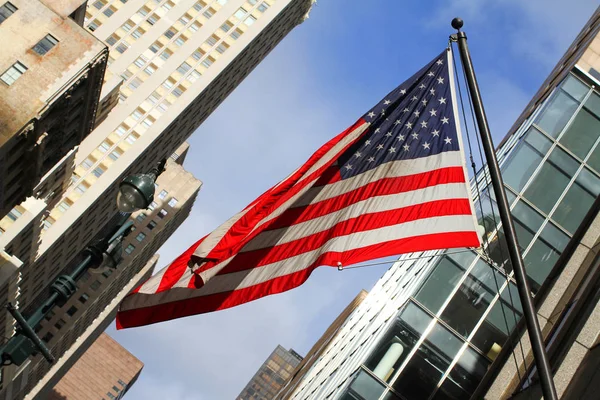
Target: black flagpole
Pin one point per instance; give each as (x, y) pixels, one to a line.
(533, 326)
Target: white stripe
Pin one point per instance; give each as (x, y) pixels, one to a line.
(255, 276)
(371, 205)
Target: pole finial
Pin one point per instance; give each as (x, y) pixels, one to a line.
(457, 23)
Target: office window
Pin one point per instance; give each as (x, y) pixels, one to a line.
(185, 19)
(83, 298)
(98, 171)
(169, 33)
(250, 20)
(143, 11)
(252, 2)
(166, 54)
(147, 122)
(221, 48)
(236, 34)
(44, 45)
(240, 13)
(150, 69)
(183, 68)
(95, 285)
(14, 214)
(99, 4)
(163, 106)
(163, 194)
(153, 98)
(207, 62)
(162, 213)
(168, 5)
(109, 11)
(208, 13)
(112, 40)
(168, 83)
(195, 26)
(47, 337)
(122, 47)
(127, 26)
(583, 131)
(60, 323)
(173, 202)
(13, 73)
(222, 2)
(138, 33)
(212, 40)
(263, 7)
(140, 61)
(151, 225)
(153, 19)
(115, 154)
(129, 249)
(6, 10)
(155, 47)
(137, 114)
(81, 188)
(131, 139)
(152, 206)
(197, 55)
(226, 26)
(63, 206)
(71, 311)
(180, 40)
(87, 163)
(178, 91)
(103, 148)
(193, 76)
(141, 236)
(121, 130)
(135, 83)
(92, 26)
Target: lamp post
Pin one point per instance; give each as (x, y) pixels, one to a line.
(135, 192)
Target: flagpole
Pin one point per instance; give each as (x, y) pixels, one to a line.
(533, 326)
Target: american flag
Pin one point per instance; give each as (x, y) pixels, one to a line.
(392, 183)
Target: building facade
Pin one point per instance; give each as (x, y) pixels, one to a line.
(272, 375)
(51, 72)
(448, 324)
(105, 371)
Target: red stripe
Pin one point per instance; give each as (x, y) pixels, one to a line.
(381, 187)
(262, 207)
(219, 301)
(258, 258)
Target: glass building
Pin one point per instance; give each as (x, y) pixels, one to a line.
(434, 324)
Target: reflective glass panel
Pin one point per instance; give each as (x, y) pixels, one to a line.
(593, 104)
(494, 330)
(575, 87)
(557, 113)
(422, 373)
(464, 377)
(441, 282)
(542, 256)
(519, 168)
(364, 387)
(574, 205)
(527, 222)
(582, 133)
(538, 141)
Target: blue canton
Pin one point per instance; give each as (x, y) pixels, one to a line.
(415, 120)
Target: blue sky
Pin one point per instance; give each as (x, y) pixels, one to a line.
(324, 75)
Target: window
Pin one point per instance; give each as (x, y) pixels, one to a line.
(155, 47)
(14, 214)
(115, 154)
(178, 91)
(141, 236)
(166, 54)
(162, 213)
(193, 76)
(109, 11)
(138, 33)
(6, 10)
(151, 225)
(226, 26)
(92, 26)
(173, 202)
(252, 2)
(197, 55)
(236, 34)
(122, 47)
(207, 62)
(169, 33)
(103, 148)
(152, 205)
(168, 83)
(95, 285)
(135, 83)
(116, 389)
(195, 26)
(110, 395)
(13, 73)
(63, 206)
(87, 163)
(221, 48)
(71, 311)
(153, 98)
(99, 4)
(129, 249)
(81, 188)
(185, 19)
(47, 337)
(137, 114)
(147, 122)
(163, 194)
(240, 13)
(183, 68)
(141, 217)
(262, 7)
(112, 40)
(123, 384)
(98, 171)
(44, 45)
(250, 20)
(153, 19)
(121, 130)
(127, 26)
(60, 323)
(211, 41)
(140, 61)
(168, 5)
(83, 298)
(143, 11)
(180, 40)
(208, 13)
(163, 106)
(131, 139)
(150, 69)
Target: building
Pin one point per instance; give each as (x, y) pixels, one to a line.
(70, 328)
(319, 348)
(106, 370)
(272, 375)
(447, 324)
(51, 72)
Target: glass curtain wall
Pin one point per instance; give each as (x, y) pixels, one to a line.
(448, 334)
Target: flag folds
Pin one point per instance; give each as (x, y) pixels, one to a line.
(392, 183)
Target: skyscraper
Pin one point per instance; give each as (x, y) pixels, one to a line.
(106, 370)
(448, 324)
(271, 376)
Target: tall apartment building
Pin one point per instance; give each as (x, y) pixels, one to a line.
(271, 376)
(51, 72)
(70, 328)
(105, 371)
(449, 324)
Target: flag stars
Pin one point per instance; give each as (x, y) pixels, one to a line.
(417, 114)
(358, 154)
(435, 133)
(383, 112)
(386, 102)
(440, 80)
(433, 112)
(371, 114)
(448, 140)
(423, 124)
(408, 125)
(348, 167)
(424, 102)
(439, 62)
(415, 135)
(445, 120)
(377, 130)
(422, 86)
(397, 122)
(389, 134)
(426, 146)
(414, 98)
(442, 100)
(392, 150)
(432, 91)
(371, 159)
(367, 142)
(379, 147)
(406, 147)
(406, 110)
(400, 137)
(402, 91)
(430, 74)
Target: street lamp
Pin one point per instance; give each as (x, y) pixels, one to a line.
(135, 192)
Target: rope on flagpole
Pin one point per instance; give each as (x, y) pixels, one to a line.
(486, 247)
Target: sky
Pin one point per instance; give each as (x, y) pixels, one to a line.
(318, 81)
